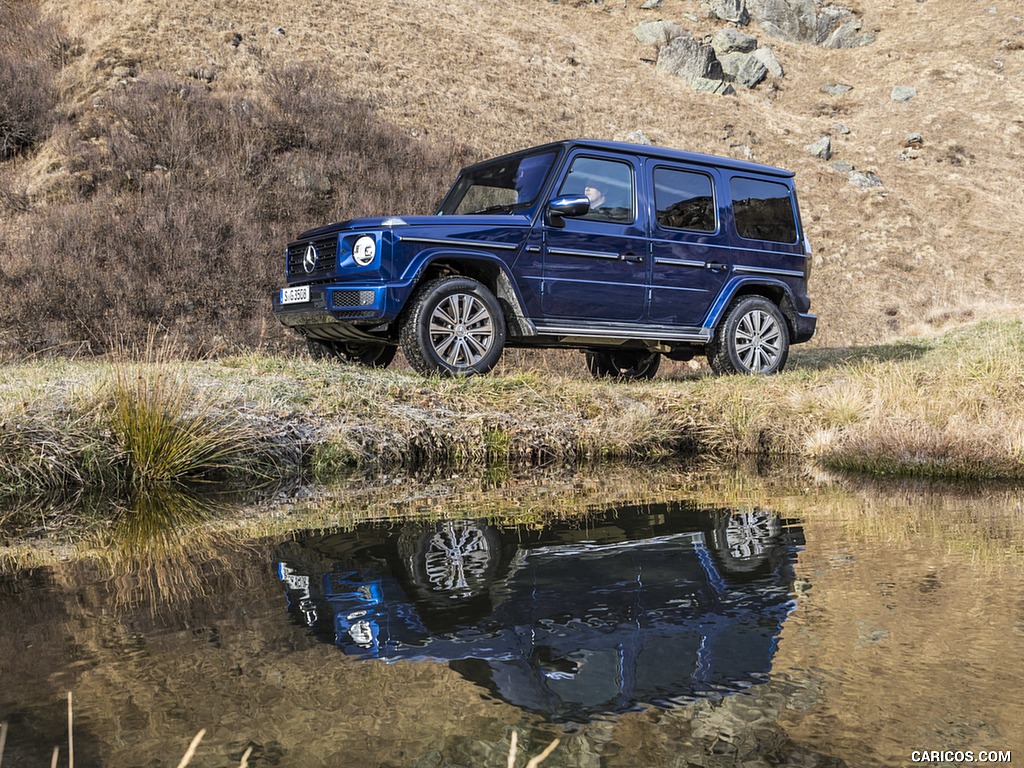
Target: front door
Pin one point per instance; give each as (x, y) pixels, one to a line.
(595, 266)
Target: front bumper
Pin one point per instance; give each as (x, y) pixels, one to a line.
(335, 312)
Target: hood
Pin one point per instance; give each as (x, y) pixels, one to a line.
(400, 222)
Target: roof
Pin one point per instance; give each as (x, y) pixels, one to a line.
(650, 150)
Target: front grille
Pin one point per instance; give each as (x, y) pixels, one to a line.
(326, 257)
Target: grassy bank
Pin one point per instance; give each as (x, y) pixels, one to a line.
(944, 407)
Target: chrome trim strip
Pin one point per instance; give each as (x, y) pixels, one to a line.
(587, 254)
(767, 271)
(701, 335)
(452, 241)
(680, 262)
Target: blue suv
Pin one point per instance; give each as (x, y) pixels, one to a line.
(627, 252)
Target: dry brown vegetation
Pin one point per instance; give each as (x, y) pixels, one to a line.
(161, 156)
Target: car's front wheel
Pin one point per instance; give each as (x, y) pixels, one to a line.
(753, 338)
(623, 364)
(368, 354)
(453, 327)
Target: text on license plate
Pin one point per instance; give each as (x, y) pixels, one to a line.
(295, 295)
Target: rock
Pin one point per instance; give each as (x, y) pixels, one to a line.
(690, 59)
(841, 129)
(638, 137)
(914, 140)
(743, 68)
(729, 40)
(730, 10)
(841, 166)
(651, 5)
(865, 180)
(837, 89)
(903, 92)
(716, 86)
(810, 21)
(657, 32)
(849, 35)
(821, 148)
(766, 57)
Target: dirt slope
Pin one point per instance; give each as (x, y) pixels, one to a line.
(937, 243)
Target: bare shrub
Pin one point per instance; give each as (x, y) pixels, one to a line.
(189, 208)
(28, 66)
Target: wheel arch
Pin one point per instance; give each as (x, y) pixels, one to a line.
(488, 270)
(775, 291)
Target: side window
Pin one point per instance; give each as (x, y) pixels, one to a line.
(763, 210)
(608, 184)
(684, 200)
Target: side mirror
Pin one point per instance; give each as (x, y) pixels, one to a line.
(571, 206)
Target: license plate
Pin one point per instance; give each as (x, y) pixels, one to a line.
(295, 295)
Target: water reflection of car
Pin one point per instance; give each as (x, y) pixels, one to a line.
(643, 605)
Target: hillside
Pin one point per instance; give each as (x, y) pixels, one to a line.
(456, 80)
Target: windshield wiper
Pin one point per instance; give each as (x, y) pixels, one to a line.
(494, 209)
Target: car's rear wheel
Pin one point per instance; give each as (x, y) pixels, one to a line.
(623, 364)
(753, 338)
(368, 354)
(453, 327)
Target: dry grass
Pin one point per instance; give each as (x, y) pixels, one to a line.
(946, 407)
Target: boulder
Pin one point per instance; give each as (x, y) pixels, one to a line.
(810, 21)
(690, 59)
(849, 35)
(730, 10)
(766, 57)
(865, 180)
(821, 148)
(729, 40)
(743, 68)
(657, 32)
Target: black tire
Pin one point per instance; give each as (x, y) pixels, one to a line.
(368, 354)
(627, 364)
(753, 339)
(453, 326)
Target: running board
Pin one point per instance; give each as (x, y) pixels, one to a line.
(625, 332)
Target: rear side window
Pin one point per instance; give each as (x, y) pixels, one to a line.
(763, 210)
(684, 200)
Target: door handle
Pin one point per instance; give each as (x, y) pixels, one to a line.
(717, 266)
(633, 258)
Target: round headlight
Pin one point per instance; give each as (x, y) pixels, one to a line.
(364, 250)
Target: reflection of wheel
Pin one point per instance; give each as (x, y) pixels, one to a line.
(753, 338)
(369, 354)
(623, 364)
(457, 559)
(453, 327)
(746, 539)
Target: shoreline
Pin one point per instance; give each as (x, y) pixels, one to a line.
(947, 407)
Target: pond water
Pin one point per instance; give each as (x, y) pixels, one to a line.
(666, 616)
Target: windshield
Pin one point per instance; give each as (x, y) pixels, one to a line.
(508, 185)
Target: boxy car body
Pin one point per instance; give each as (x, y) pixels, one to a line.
(627, 252)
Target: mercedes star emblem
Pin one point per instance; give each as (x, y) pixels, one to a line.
(309, 260)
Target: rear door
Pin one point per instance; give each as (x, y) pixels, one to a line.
(596, 266)
(691, 262)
